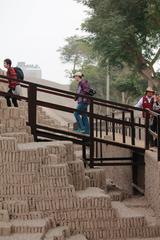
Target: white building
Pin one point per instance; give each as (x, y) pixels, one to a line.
(30, 70)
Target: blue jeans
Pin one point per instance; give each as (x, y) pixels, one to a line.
(81, 118)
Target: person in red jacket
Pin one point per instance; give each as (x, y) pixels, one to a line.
(11, 73)
(147, 100)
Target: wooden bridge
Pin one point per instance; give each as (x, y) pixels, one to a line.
(120, 125)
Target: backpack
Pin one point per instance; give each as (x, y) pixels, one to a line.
(91, 92)
(19, 73)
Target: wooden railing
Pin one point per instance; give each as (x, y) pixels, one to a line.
(102, 124)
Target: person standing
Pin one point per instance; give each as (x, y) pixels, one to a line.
(156, 108)
(82, 103)
(14, 86)
(147, 100)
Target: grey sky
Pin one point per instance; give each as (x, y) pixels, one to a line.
(33, 30)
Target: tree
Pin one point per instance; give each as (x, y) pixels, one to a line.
(126, 31)
(131, 86)
(78, 52)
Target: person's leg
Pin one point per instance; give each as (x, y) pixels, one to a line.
(14, 101)
(8, 98)
(78, 118)
(85, 119)
(153, 127)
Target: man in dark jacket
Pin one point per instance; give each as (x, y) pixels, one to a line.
(12, 85)
(82, 104)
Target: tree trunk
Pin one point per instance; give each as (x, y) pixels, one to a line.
(147, 74)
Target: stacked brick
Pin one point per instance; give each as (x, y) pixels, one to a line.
(97, 177)
(152, 181)
(58, 233)
(12, 120)
(42, 117)
(76, 169)
(5, 226)
(35, 183)
(45, 119)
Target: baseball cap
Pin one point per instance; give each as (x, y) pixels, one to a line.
(79, 74)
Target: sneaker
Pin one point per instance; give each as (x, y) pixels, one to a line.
(82, 131)
(77, 130)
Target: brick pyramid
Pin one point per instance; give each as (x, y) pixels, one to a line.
(45, 193)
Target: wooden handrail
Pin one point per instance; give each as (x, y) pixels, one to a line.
(33, 102)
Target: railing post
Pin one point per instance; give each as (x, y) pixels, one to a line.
(123, 127)
(132, 128)
(146, 130)
(140, 135)
(158, 137)
(113, 126)
(91, 135)
(32, 97)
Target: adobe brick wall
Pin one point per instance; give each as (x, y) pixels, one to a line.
(120, 175)
(152, 181)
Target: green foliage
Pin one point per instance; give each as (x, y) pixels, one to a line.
(132, 86)
(127, 31)
(123, 79)
(78, 52)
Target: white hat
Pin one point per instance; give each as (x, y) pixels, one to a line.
(149, 89)
(79, 74)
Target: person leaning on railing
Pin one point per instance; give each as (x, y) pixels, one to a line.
(14, 86)
(147, 102)
(156, 108)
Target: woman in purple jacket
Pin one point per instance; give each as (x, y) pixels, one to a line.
(82, 104)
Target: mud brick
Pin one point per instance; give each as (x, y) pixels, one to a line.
(5, 229)
(2, 129)
(52, 159)
(97, 177)
(53, 170)
(4, 216)
(16, 207)
(5, 114)
(8, 144)
(21, 137)
(76, 169)
(69, 150)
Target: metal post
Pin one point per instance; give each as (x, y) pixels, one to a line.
(107, 85)
(123, 127)
(113, 126)
(32, 97)
(91, 135)
(158, 137)
(146, 130)
(132, 128)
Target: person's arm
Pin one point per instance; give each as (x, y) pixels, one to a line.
(156, 107)
(139, 103)
(12, 74)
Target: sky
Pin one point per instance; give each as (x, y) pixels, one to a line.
(33, 31)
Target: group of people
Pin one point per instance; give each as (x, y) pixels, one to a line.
(150, 101)
(82, 101)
